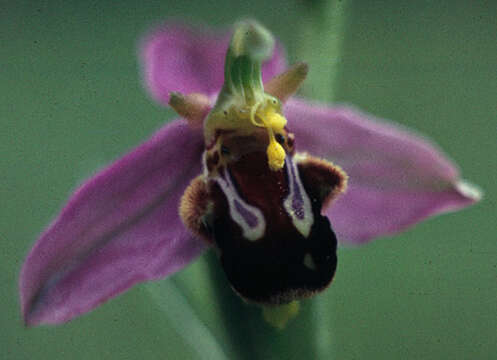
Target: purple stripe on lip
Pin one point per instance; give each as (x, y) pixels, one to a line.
(247, 215)
(297, 200)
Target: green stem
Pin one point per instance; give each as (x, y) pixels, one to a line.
(322, 34)
(254, 338)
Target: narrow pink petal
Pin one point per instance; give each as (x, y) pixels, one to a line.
(180, 58)
(397, 178)
(120, 227)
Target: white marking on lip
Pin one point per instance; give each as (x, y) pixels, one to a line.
(302, 217)
(236, 203)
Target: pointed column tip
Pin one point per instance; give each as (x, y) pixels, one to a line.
(252, 39)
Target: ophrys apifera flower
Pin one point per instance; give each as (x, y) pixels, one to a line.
(254, 180)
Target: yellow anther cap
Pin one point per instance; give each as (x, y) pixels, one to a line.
(275, 155)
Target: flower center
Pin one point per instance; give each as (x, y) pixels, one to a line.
(243, 106)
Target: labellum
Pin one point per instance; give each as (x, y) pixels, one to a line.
(258, 201)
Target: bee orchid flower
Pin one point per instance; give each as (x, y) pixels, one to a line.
(272, 182)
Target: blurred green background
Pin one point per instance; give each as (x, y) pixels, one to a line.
(72, 100)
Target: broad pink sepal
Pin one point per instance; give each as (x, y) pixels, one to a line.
(396, 178)
(120, 227)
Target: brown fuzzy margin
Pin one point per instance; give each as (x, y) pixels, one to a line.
(194, 206)
(322, 179)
